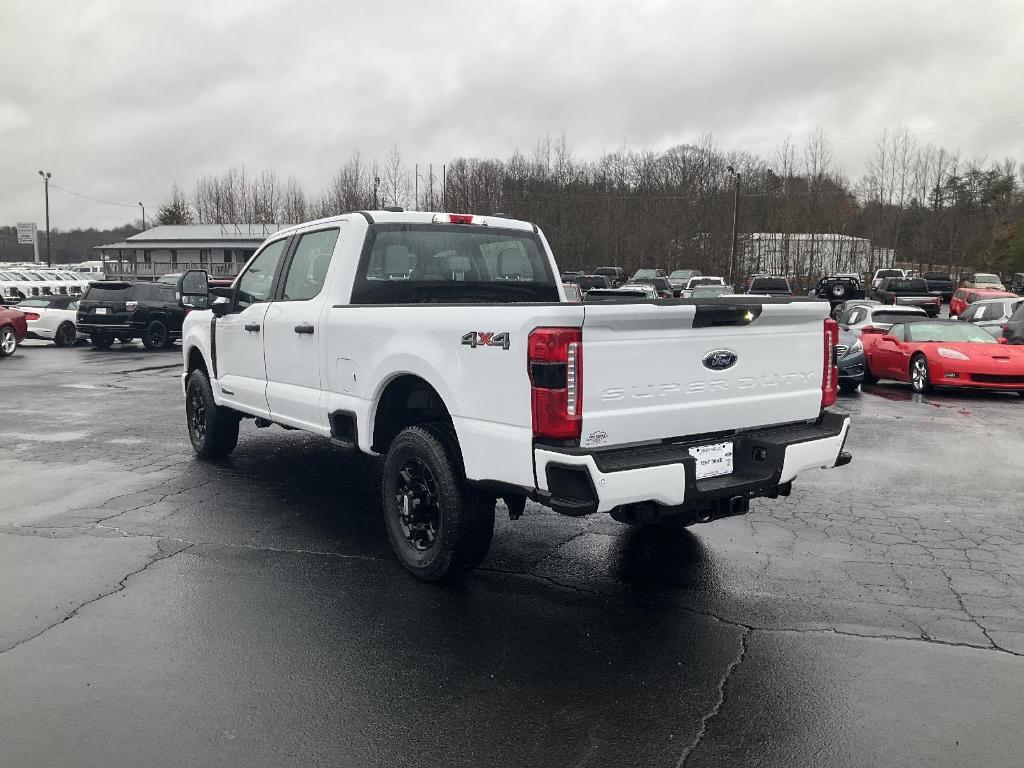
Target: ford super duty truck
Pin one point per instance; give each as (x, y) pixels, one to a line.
(444, 343)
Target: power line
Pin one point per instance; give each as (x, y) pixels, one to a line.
(94, 199)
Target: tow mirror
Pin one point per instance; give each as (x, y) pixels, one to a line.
(193, 289)
(221, 306)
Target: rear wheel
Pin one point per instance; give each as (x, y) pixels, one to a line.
(102, 340)
(65, 335)
(155, 335)
(848, 387)
(8, 341)
(438, 527)
(920, 376)
(212, 429)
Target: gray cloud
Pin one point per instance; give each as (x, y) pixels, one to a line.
(120, 99)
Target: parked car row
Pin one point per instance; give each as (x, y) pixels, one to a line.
(983, 348)
(18, 283)
(108, 311)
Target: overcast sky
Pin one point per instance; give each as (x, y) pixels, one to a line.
(120, 99)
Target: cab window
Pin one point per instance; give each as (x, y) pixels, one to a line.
(255, 284)
(308, 269)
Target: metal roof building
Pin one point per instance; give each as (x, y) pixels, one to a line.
(220, 249)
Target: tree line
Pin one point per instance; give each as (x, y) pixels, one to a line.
(674, 208)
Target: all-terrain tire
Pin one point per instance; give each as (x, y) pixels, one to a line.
(212, 429)
(439, 528)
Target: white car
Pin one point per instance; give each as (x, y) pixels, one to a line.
(472, 374)
(52, 318)
(693, 282)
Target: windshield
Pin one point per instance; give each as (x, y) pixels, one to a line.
(711, 290)
(646, 273)
(769, 284)
(950, 331)
(889, 273)
(682, 274)
(982, 277)
(439, 263)
(910, 285)
(34, 303)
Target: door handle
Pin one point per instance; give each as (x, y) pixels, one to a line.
(303, 328)
(254, 327)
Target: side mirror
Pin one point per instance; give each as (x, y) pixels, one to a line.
(889, 337)
(193, 289)
(1002, 340)
(221, 306)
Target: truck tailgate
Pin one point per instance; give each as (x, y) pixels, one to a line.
(649, 372)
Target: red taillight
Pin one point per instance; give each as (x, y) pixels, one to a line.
(830, 372)
(555, 367)
(453, 218)
(31, 316)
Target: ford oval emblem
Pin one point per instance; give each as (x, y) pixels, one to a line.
(719, 360)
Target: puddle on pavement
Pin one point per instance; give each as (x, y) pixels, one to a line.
(93, 386)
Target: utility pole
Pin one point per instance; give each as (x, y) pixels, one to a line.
(143, 216)
(735, 219)
(376, 183)
(416, 173)
(46, 187)
(430, 180)
(444, 188)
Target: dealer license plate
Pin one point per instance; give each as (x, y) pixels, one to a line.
(101, 310)
(713, 460)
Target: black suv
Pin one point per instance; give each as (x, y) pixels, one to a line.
(839, 288)
(125, 311)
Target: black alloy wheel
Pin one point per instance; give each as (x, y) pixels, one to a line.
(65, 335)
(419, 512)
(212, 429)
(155, 335)
(439, 527)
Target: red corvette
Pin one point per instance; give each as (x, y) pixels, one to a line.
(948, 353)
(964, 297)
(13, 328)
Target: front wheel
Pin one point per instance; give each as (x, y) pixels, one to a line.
(212, 429)
(848, 387)
(65, 335)
(920, 377)
(438, 527)
(8, 341)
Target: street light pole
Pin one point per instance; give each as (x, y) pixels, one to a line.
(735, 219)
(143, 216)
(46, 187)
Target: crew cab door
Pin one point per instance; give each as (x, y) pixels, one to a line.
(294, 332)
(240, 369)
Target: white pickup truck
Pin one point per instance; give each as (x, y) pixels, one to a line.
(444, 343)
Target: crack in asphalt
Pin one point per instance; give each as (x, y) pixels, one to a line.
(713, 712)
(121, 585)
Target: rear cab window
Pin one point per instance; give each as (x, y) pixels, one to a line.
(439, 263)
(769, 284)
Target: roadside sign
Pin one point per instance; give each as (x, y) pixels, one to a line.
(26, 233)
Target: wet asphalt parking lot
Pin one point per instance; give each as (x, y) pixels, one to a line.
(160, 611)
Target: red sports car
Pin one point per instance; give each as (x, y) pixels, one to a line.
(13, 328)
(929, 353)
(964, 297)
